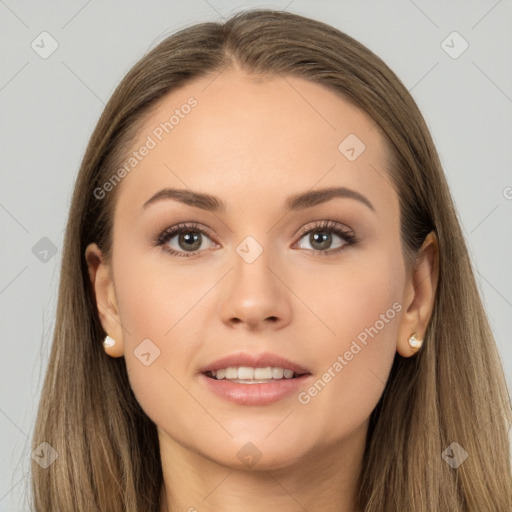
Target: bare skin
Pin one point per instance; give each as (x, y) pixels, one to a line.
(252, 143)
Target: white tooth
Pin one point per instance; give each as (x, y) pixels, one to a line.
(277, 373)
(232, 372)
(252, 381)
(246, 372)
(263, 373)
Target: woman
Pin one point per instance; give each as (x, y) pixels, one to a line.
(251, 361)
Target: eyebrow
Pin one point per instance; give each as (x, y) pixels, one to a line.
(293, 203)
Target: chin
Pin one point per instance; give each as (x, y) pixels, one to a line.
(260, 455)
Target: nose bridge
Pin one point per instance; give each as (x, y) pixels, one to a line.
(250, 249)
(252, 265)
(255, 293)
(255, 248)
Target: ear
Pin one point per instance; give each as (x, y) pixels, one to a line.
(103, 286)
(419, 295)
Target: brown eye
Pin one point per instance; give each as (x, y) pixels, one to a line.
(184, 240)
(189, 240)
(320, 237)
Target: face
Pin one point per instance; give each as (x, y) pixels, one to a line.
(314, 284)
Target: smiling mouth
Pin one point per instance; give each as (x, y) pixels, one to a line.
(250, 375)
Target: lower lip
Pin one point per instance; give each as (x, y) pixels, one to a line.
(255, 394)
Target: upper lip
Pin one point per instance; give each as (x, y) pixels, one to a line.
(261, 360)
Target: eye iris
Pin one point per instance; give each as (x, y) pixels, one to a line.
(321, 238)
(190, 240)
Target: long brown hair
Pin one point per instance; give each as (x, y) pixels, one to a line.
(453, 390)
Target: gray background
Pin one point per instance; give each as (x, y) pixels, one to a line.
(50, 106)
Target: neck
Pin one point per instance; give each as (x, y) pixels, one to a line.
(326, 481)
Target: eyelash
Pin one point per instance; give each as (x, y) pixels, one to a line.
(325, 226)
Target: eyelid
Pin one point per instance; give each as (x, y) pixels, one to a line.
(325, 224)
(171, 231)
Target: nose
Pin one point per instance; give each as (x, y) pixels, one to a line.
(256, 297)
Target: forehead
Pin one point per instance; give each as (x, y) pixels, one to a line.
(243, 137)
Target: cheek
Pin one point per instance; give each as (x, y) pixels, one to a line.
(155, 296)
(364, 312)
(161, 311)
(146, 314)
(351, 297)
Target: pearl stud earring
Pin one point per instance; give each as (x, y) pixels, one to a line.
(414, 342)
(109, 342)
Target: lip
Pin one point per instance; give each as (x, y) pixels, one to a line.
(255, 360)
(254, 394)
